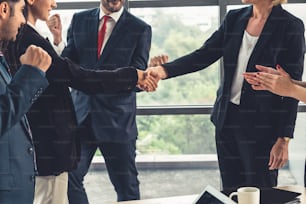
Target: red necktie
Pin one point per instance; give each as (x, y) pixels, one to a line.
(101, 34)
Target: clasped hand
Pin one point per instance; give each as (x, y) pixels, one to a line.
(148, 80)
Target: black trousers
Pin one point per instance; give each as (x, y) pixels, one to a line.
(243, 153)
(120, 163)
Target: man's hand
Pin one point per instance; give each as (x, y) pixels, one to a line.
(279, 154)
(158, 60)
(36, 57)
(157, 72)
(155, 68)
(146, 82)
(55, 26)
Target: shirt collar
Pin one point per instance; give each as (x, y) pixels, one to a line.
(36, 29)
(33, 26)
(115, 15)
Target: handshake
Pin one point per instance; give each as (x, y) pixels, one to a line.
(148, 79)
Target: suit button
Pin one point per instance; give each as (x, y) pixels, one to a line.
(31, 150)
(32, 178)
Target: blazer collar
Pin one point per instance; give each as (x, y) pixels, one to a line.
(267, 33)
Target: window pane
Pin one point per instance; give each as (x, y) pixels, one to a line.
(176, 32)
(177, 134)
(297, 149)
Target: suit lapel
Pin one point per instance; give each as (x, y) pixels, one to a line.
(92, 24)
(235, 37)
(265, 36)
(119, 28)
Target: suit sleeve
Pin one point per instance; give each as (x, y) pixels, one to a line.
(141, 54)
(211, 51)
(18, 96)
(64, 71)
(292, 60)
(94, 81)
(70, 50)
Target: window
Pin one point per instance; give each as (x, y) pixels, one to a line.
(176, 32)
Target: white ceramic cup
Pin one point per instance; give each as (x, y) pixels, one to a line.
(247, 195)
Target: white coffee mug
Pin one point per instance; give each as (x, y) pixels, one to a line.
(247, 195)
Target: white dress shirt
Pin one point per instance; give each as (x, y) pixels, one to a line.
(246, 49)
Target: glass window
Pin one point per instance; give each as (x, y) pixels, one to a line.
(178, 31)
(297, 149)
(175, 134)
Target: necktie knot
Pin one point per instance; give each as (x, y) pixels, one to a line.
(101, 34)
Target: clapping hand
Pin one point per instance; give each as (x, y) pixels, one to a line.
(158, 60)
(276, 80)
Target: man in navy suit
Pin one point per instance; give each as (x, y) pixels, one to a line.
(17, 163)
(108, 122)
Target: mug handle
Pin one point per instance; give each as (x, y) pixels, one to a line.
(233, 194)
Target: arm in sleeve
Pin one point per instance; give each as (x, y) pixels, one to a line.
(292, 59)
(100, 81)
(18, 96)
(207, 54)
(70, 50)
(141, 54)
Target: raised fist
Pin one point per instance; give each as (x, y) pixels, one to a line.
(36, 57)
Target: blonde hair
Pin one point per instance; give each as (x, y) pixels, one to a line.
(276, 2)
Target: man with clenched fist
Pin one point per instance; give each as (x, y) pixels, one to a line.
(17, 157)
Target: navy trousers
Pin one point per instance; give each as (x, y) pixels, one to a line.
(120, 163)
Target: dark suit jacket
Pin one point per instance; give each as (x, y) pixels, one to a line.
(52, 116)
(17, 171)
(281, 42)
(112, 116)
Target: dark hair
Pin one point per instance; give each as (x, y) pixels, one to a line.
(11, 3)
(13, 48)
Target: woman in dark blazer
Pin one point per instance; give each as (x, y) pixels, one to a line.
(252, 128)
(52, 117)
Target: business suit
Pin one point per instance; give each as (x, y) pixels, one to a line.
(52, 117)
(262, 116)
(108, 120)
(17, 167)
